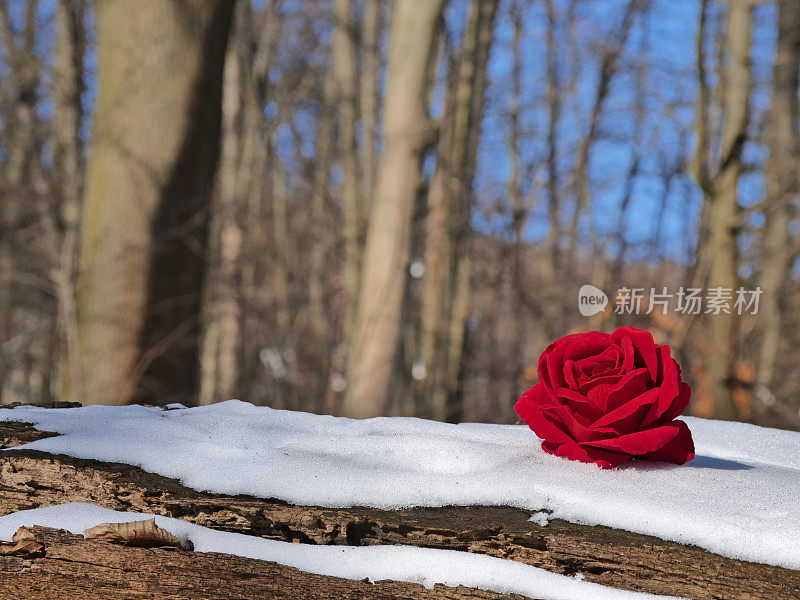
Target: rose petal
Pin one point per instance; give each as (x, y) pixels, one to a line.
(670, 379)
(610, 397)
(609, 380)
(679, 450)
(628, 353)
(607, 359)
(640, 442)
(569, 375)
(679, 404)
(585, 345)
(628, 417)
(527, 408)
(580, 404)
(643, 344)
(574, 424)
(570, 347)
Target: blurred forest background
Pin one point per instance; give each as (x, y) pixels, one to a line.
(370, 207)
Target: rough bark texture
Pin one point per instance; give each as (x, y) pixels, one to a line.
(75, 568)
(377, 330)
(31, 479)
(153, 154)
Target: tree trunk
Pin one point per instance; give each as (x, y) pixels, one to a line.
(377, 330)
(67, 114)
(554, 99)
(368, 101)
(724, 207)
(24, 77)
(343, 55)
(519, 211)
(263, 247)
(221, 339)
(782, 187)
(449, 209)
(153, 154)
(318, 302)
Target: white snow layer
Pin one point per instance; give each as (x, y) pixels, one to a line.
(399, 563)
(740, 497)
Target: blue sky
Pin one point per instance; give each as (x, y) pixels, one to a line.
(665, 40)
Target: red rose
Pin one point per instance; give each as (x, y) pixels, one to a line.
(606, 398)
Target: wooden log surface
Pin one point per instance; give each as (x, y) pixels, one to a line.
(78, 569)
(30, 479)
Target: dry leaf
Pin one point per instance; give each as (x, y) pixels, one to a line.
(24, 544)
(142, 534)
(23, 533)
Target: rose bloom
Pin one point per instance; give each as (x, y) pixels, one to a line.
(607, 398)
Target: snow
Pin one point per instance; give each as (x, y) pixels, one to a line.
(541, 518)
(740, 497)
(400, 563)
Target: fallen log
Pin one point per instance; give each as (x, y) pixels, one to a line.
(617, 558)
(78, 569)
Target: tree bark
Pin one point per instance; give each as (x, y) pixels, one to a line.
(68, 72)
(782, 188)
(368, 100)
(554, 100)
(153, 154)
(448, 224)
(24, 78)
(78, 569)
(724, 207)
(519, 210)
(617, 558)
(320, 317)
(377, 330)
(343, 55)
(220, 350)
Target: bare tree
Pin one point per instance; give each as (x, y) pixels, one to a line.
(343, 51)
(68, 86)
(377, 330)
(449, 208)
(609, 66)
(153, 154)
(554, 102)
(25, 73)
(244, 87)
(720, 189)
(371, 27)
(782, 187)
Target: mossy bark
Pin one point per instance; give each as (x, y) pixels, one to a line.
(153, 151)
